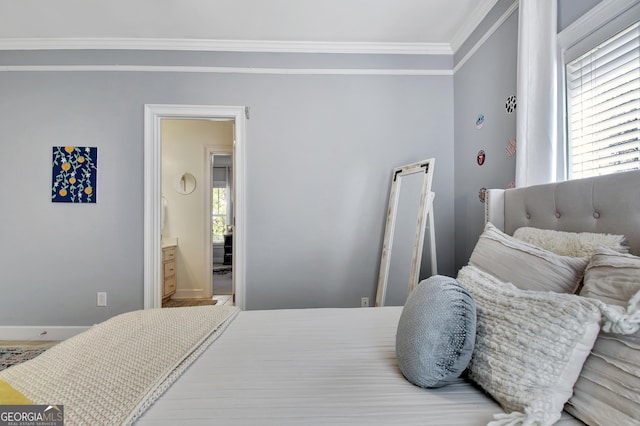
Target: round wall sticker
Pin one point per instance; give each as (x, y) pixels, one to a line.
(480, 121)
(511, 104)
(511, 147)
(482, 194)
(480, 158)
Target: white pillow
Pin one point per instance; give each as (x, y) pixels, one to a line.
(525, 265)
(530, 346)
(608, 390)
(575, 244)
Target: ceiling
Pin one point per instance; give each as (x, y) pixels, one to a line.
(400, 26)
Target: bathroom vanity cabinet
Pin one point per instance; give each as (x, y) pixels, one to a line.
(169, 276)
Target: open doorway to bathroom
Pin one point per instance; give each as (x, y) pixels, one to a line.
(222, 228)
(190, 185)
(155, 115)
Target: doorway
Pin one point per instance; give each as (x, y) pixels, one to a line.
(221, 202)
(154, 114)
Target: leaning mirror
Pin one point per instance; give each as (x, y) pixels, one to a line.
(410, 206)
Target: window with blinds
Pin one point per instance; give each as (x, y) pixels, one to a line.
(603, 102)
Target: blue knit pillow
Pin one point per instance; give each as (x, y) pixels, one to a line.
(436, 332)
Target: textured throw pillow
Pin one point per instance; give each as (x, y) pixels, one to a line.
(530, 346)
(575, 244)
(608, 390)
(436, 332)
(526, 266)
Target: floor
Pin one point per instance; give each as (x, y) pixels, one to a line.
(221, 299)
(222, 279)
(225, 299)
(222, 284)
(14, 352)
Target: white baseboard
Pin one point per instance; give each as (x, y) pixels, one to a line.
(190, 293)
(34, 332)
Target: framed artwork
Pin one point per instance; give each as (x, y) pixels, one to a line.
(74, 175)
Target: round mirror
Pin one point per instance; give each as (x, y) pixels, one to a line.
(185, 183)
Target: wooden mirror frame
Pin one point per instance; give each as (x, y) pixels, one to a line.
(425, 210)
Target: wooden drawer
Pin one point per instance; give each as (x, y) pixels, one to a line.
(169, 269)
(169, 253)
(169, 278)
(169, 285)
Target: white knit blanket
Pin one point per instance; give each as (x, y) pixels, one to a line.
(111, 373)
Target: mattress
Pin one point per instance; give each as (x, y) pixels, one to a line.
(313, 367)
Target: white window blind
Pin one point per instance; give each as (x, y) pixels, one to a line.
(603, 99)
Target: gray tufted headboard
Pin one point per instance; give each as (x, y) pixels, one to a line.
(604, 204)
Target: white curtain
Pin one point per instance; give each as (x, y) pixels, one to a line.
(536, 122)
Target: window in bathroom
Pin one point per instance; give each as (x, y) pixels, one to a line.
(219, 214)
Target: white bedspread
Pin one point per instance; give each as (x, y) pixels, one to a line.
(313, 367)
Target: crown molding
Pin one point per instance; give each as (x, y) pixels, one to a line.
(224, 70)
(225, 45)
(472, 23)
(496, 25)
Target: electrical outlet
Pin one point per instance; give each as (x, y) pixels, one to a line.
(101, 298)
(364, 302)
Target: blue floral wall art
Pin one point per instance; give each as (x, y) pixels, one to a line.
(74, 175)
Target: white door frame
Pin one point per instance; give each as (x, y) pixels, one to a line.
(153, 115)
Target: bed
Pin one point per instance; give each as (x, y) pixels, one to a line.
(307, 366)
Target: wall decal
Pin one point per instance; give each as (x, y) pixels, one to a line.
(74, 176)
(511, 104)
(482, 194)
(480, 121)
(511, 147)
(480, 158)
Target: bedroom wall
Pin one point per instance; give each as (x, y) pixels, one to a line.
(483, 82)
(485, 77)
(325, 143)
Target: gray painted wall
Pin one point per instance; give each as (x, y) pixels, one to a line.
(325, 145)
(323, 149)
(482, 84)
(320, 151)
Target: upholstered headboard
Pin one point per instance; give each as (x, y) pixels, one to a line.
(603, 204)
